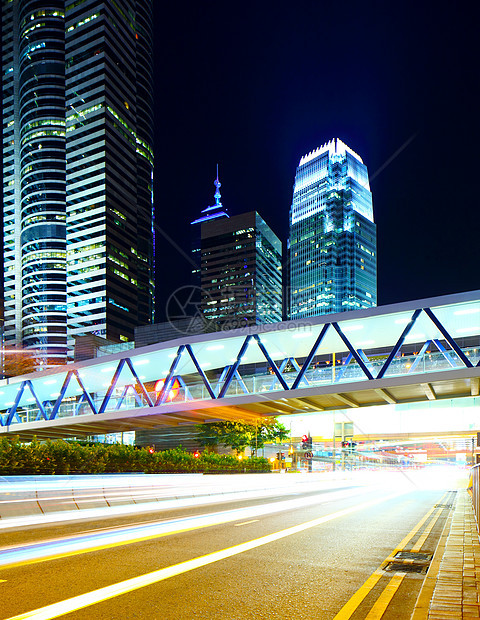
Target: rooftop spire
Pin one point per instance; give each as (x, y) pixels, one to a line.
(217, 195)
(214, 211)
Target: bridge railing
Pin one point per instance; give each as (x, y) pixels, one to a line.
(474, 488)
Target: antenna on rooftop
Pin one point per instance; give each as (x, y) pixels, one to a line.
(218, 185)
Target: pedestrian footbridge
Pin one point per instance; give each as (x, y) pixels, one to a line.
(408, 352)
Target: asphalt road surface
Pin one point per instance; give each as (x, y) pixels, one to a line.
(299, 555)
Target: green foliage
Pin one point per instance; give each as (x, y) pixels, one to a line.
(69, 457)
(238, 435)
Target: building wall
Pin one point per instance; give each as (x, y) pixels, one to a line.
(34, 176)
(109, 168)
(241, 272)
(332, 245)
(77, 103)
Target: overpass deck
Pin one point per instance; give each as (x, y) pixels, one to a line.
(421, 350)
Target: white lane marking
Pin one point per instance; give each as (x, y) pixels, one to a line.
(117, 589)
(73, 545)
(245, 522)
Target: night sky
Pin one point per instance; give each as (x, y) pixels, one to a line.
(256, 85)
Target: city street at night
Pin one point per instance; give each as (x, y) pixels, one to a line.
(299, 551)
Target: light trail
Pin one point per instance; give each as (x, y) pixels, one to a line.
(102, 594)
(75, 545)
(193, 499)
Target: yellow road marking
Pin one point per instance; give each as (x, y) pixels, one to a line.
(418, 545)
(422, 605)
(96, 596)
(385, 597)
(245, 522)
(352, 604)
(401, 545)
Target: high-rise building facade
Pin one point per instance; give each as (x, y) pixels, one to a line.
(332, 244)
(78, 168)
(241, 271)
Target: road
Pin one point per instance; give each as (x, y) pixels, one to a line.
(303, 554)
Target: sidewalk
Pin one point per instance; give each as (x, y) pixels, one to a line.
(451, 590)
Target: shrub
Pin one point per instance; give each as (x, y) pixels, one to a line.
(69, 457)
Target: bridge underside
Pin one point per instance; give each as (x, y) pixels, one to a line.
(252, 407)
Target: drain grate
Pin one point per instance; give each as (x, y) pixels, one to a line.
(409, 556)
(404, 567)
(443, 506)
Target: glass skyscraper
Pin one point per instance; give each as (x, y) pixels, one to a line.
(78, 168)
(241, 271)
(332, 244)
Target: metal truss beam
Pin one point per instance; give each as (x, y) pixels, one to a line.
(168, 383)
(200, 371)
(85, 393)
(273, 366)
(353, 351)
(124, 394)
(448, 338)
(310, 356)
(234, 367)
(419, 357)
(398, 344)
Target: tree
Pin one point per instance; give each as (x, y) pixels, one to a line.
(238, 435)
(17, 361)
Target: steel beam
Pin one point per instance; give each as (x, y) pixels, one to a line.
(353, 351)
(399, 343)
(234, 367)
(448, 338)
(386, 396)
(310, 356)
(271, 362)
(346, 399)
(167, 384)
(200, 371)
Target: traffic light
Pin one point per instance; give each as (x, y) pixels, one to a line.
(306, 442)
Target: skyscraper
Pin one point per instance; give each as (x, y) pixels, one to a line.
(78, 167)
(241, 271)
(332, 244)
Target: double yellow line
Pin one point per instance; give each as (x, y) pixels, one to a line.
(391, 588)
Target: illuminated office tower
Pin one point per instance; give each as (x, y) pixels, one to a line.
(78, 165)
(332, 244)
(241, 271)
